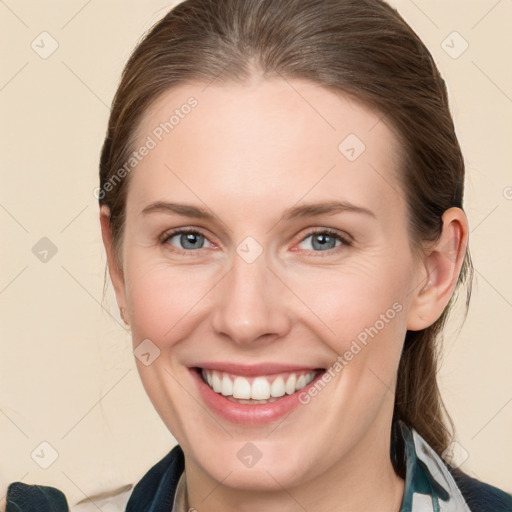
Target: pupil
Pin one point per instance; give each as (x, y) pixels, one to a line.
(189, 239)
(323, 241)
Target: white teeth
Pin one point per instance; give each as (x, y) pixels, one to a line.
(241, 388)
(300, 382)
(260, 388)
(290, 384)
(217, 386)
(227, 386)
(277, 388)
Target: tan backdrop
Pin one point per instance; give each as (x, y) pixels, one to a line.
(67, 372)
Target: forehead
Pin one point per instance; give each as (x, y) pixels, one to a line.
(267, 143)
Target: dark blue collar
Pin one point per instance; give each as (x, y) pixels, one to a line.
(155, 492)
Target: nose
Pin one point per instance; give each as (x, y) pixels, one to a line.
(251, 303)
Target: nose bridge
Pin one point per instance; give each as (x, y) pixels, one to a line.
(248, 304)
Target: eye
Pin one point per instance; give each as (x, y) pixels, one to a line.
(322, 240)
(185, 240)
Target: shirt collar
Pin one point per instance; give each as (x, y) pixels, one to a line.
(429, 486)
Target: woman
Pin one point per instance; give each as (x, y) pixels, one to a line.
(281, 194)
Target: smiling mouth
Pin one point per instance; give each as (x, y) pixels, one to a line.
(261, 389)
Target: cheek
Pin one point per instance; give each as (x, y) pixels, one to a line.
(163, 300)
(348, 299)
(361, 313)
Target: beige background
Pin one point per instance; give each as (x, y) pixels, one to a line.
(67, 371)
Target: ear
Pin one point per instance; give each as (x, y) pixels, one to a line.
(439, 271)
(116, 273)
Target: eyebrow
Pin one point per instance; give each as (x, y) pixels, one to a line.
(325, 208)
(305, 210)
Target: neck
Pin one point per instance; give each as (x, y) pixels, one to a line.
(364, 479)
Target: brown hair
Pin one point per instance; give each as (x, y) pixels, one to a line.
(358, 47)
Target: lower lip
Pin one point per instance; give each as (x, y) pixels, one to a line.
(247, 414)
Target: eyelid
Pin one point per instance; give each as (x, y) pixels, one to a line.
(171, 233)
(345, 239)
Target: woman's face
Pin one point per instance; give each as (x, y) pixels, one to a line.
(265, 280)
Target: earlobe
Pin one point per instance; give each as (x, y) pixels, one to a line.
(440, 269)
(116, 273)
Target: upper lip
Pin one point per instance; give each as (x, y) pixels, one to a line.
(251, 370)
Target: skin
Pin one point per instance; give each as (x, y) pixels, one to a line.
(247, 153)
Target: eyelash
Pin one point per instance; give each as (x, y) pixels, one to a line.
(346, 242)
